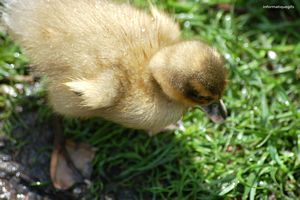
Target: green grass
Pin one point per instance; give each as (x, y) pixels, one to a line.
(254, 155)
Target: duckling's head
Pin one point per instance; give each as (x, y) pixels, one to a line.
(192, 73)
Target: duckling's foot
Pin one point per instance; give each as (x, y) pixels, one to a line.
(177, 126)
(70, 162)
(172, 127)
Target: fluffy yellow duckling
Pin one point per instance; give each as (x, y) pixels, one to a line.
(117, 62)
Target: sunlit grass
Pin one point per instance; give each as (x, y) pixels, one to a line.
(254, 155)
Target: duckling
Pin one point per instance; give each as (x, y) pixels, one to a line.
(112, 60)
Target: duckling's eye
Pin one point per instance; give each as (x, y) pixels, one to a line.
(193, 94)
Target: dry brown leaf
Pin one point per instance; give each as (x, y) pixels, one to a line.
(63, 177)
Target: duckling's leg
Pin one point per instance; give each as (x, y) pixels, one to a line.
(65, 170)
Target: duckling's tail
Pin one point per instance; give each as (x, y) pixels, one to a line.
(29, 24)
(22, 20)
(3, 27)
(15, 13)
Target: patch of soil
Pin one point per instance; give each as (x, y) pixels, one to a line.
(24, 165)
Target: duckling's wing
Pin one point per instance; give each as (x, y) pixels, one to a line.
(99, 92)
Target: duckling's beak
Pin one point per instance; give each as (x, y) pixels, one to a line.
(216, 111)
